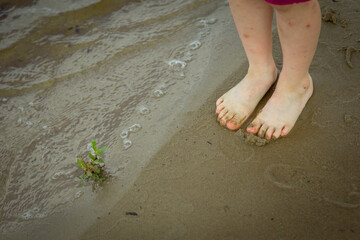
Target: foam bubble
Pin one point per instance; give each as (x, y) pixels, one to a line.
(127, 143)
(135, 128)
(36, 209)
(195, 45)
(27, 215)
(212, 20)
(158, 93)
(144, 110)
(124, 133)
(188, 56)
(78, 194)
(57, 175)
(208, 21)
(41, 215)
(177, 65)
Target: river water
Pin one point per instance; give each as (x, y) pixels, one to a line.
(74, 70)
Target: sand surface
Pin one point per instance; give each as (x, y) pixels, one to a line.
(185, 176)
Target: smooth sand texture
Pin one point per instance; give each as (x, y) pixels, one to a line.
(204, 182)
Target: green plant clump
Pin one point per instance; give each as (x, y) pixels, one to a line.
(94, 169)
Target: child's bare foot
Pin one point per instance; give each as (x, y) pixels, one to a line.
(235, 106)
(283, 108)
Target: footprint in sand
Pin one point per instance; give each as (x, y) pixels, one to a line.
(331, 186)
(236, 150)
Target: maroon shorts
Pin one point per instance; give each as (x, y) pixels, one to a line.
(285, 2)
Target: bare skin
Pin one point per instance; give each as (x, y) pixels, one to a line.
(299, 28)
(235, 106)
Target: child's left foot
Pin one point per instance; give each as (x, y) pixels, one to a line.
(283, 108)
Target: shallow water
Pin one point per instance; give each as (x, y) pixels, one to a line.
(141, 77)
(75, 71)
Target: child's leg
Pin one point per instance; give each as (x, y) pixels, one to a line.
(253, 21)
(299, 28)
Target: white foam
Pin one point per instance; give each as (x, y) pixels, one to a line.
(58, 174)
(158, 93)
(41, 215)
(177, 65)
(135, 128)
(78, 194)
(144, 110)
(195, 45)
(27, 215)
(124, 133)
(188, 56)
(127, 143)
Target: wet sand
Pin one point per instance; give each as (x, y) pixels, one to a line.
(186, 177)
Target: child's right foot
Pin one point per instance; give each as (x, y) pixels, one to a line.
(235, 106)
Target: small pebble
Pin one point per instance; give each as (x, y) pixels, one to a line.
(29, 123)
(131, 213)
(19, 120)
(45, 127)
(4, 99)
(21, 109)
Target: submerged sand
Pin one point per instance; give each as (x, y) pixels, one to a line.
(186, 177)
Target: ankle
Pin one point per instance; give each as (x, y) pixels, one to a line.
(299, 83)
(268, 69)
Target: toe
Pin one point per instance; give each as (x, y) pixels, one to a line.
(230, 115)
(233, 125)
(285, 131)
(219, 101)
(277, 133)
(270, 132)
(219, 108)
(254, 126)
(263, 130)
(222, 113)
(222, 122)
(235, 122)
